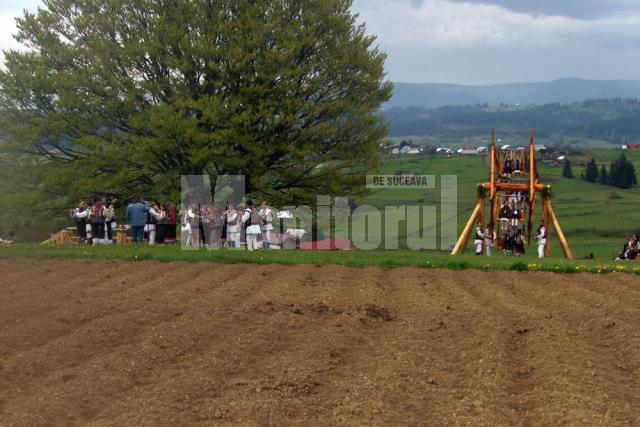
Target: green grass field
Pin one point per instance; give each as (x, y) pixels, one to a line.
(594, 218)
(356, 259)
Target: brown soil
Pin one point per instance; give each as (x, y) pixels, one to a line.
(117, 343)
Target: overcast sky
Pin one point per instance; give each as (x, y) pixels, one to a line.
(485, 41)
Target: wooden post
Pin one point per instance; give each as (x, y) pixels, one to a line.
(545, 218)
(532, 210)
(493, 164)
(532, 162)
(556, 225)
(461, 245)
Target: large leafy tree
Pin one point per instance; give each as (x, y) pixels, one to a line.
(122, 98)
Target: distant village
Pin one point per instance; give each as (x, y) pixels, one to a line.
(550, 155)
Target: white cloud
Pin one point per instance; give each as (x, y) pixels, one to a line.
(444, 24)
(7, 28)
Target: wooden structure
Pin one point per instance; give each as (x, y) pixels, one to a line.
(67, 236)
(527, 182)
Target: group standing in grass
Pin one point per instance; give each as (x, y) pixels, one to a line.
(96, 221)
(209, 226)
(511, 238)
(156, 223)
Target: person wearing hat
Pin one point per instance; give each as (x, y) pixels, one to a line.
(541, 237)
(108, 213)
(80, 215)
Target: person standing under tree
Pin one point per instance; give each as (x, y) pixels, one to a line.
(155, 217)
(97, 222)
(252, 220)
(108, 213)
(266, 216)
(80, 215)
(541, 237)
(136, 218)
(233, 229)
(191, 225)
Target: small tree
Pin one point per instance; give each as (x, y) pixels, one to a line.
(603, 178)
(567, 172)
(591, 174)
(622, 173)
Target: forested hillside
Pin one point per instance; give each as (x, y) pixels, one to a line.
(563, 90)
(612, 120)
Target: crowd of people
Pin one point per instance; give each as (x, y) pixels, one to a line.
(510, 235)
(156, 223)
(206, 225)
(631, 248)
(96, 221)
(512, 167)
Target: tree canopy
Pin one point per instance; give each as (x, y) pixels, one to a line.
(122, 98)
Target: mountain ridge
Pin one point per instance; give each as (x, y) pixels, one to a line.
(565, 90)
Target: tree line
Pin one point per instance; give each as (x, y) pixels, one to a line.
(614, 120)
(621, 174)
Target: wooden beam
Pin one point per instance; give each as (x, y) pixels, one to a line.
(461, 245)
(511, 186)
(556, 225)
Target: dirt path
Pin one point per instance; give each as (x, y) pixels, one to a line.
(116, 343)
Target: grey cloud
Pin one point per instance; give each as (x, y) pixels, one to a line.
(581, 9)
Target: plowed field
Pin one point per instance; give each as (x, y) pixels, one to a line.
(120, 343)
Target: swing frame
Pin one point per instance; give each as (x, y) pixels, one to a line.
(497, 185)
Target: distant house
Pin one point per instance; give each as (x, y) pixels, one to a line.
(631, 146)
(583, 161)
(444, 151)
(409, 149)
(468, 151)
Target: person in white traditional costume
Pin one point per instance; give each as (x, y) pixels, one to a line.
(266, 216)
(251, 219)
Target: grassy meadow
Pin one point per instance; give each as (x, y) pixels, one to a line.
(356, 259)
(595, 218)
